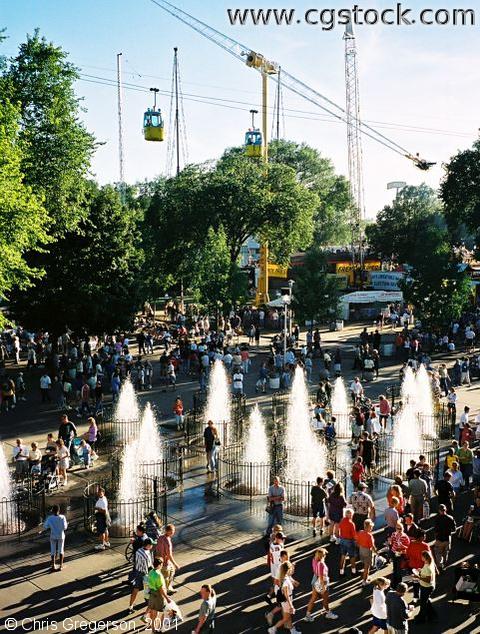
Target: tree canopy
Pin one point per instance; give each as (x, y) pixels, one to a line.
(436, 286)
(316, 173)
(92, 272)
(315, 293)
(58, 148)
(396, 233)
(23, 219)
(460, 193)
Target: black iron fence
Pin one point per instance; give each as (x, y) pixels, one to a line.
(125, 515)
(279, 406)
(249, 481)
(117, 433)
(167, 470)
(25, 510)
(391, 461)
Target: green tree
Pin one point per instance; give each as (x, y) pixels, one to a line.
(219, 283)
(92, 272)
(317, 174)
(23, 219)
(248, 200)
(436, 287)
(315, 293)
(175, 228)
(460, 193)
(58, 148)
(396, 234)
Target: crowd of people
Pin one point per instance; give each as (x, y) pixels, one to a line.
(76, 371)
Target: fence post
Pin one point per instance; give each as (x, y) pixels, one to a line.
(155, 492)
(250, 487)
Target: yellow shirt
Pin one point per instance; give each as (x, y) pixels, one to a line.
(428, 570)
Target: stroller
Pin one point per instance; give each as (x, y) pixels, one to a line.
(48, 474)
(76, 452)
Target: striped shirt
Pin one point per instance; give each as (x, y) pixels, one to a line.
(143, 561)
(399, 541)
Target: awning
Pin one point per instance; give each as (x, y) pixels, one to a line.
(371, 297)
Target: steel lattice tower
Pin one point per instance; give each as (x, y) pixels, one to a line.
(354, 140)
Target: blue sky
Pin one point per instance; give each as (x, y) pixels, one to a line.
(426, 77)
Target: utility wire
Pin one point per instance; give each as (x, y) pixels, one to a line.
(297, 114)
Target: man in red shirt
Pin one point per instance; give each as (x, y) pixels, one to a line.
(347, 542)
(366, 548)
(385, 409)
(414, 556)
(358, 471)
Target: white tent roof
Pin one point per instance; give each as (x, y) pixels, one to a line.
(369, 297)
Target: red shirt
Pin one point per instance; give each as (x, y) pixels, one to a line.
(347, 529)
(364, 539)
(414, 554)
(399, 542)
(357, 472)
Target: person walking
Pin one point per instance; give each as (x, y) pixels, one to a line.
(285, 596)
(398, 611)
(363, 507)
(275, 500)
(157, 595)
(366, 549)
(346, 529)
(336, 502)
(206, 615)
(399, 543)
(379, 605)
(418, 494)
(426, 578)
(102, 519)
(465, 458)
(164, 549)
(212, 443)
(320, 583)
(57, 524)
(142, 565)
(178, 412)
(443, 527)
(318, 496)
(445, 492)
(45, 387)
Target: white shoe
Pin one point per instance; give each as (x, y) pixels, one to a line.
(309, 618)
(100, 547)
(333, 539)
(107, 545)
(272, 630)
(331, 615)
(295, 631)
(354, 571)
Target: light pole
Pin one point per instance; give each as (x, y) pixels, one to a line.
(287, 300)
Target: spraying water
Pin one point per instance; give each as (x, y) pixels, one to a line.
(340, 409)
(140, 457)
(218, 401)
(407, 431)
(306, 457)
(256, 446)
(149, 441)
(6, 489)
(127, 404)
(424, 402)
(8, 509)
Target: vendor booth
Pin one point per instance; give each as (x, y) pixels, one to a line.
(366, 304)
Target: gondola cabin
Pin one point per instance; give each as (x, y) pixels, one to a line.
(253, 143)
(153, 128)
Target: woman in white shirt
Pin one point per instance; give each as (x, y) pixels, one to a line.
(379, 605)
